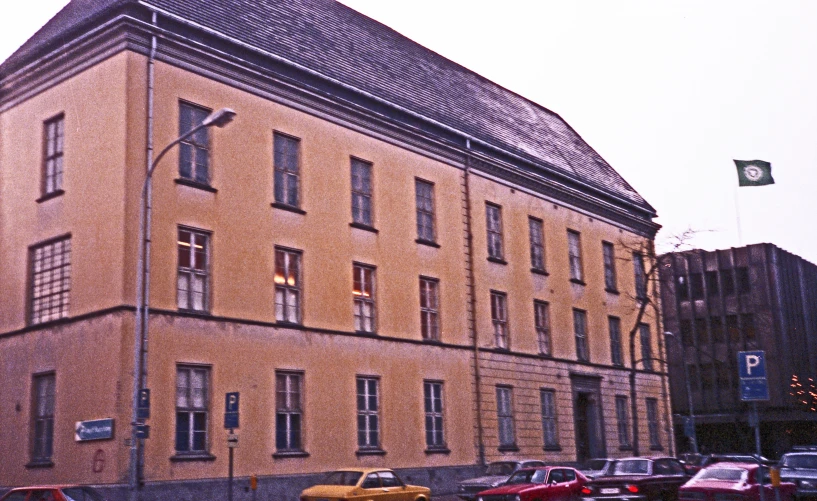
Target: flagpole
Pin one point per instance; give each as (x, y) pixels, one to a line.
(737, 217)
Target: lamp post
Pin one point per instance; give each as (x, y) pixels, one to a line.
(218, 118)
(694, 437)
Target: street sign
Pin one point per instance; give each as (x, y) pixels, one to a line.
(232, 440)
(97, 429)
(143, 409)
(231, 410)
(752, 375)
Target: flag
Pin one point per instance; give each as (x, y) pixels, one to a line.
(754, 173)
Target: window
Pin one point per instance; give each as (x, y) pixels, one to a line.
(646, 346)
(42, 440)
(504, 414)
(652, 423)
(368, 413)
(696, 282)
(728, 279)
(694, 377)
(499, 317)
(614, 325)
(361, 192)
(537, 244)
(732, 329)
(622, 422)
(640, 276)
(287, 286)
(701, 331)
(580, 330)
(682, 288)
(744, 284)
(748, 321)
(574, 254)
(288, 411)
(716, 324)
(493, 220)
(549, 429)
(192, 286)
(192, 403)
(433, 399)
(424, 194)
(712, 284)
(50, 280)
(608, 252)
(541, 317)
(429, 309)
(363, 291)
(194, 151)
(286, 157)
(686, 333)
(53, 145)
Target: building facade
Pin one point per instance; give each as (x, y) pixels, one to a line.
(390, 259)
(717, 303)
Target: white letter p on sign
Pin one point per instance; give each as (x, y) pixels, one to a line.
(751, 361)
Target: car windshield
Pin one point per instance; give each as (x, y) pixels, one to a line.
(527, 477)
(82, 494)
(631, 467)
(730, 474)
(595, 464)
(501, 468)
(808, 461)
(342, 478)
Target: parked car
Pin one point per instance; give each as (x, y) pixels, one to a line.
(597, 467)
(732, 481)
(496, 474)
(545, 483)
(365, 483)
(53, 493)
(800, 468)
(638, 479)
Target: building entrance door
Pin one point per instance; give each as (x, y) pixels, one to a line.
(587, 419)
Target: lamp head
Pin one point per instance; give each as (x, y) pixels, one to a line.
(219, 118)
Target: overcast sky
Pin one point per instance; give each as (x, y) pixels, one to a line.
(669, 93)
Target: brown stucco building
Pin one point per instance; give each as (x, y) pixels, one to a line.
(718, 303)
(391, 259)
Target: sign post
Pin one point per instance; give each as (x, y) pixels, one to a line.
(230, 423)
(753, 387)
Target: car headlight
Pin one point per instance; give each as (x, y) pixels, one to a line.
(517, 498)
(479, 498)
(497, 483)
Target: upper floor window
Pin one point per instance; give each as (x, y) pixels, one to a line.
(682, 288)
(646, 346)
(614, 324)
(608, 252)
(547, 400)
(287, 286)
(574, 254)
(362, 192)
(728, 280)
(580, 331)
(712, 284)
(493, 221)
(429, 309)
(193, 273)
(368, 413)
(424, 195)
(433, 400)
(54, 142)
(537, 244)
(286, 159)
(363, 290)
(499, 317)
(50, 280)
(42, 430)
(744, 283)
(640, 275)
(194, 151)
(192, 408)
(541, 318)
(696, 285)
(504, 414)
(288, 411)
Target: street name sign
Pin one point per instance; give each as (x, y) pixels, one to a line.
(752, 374)
(97, 429)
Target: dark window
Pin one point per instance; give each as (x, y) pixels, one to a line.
(696, 282)
(194, 151)
(722, 374)
(646, 346)
(192, 402)
(748, 321)
(694, 376)
(541, 316)
(549, 425)
(286, 159)
(537, 244)
(640, 276)
(686, 332)
(288, 411)
(701, 331)
(424, 195)
(682, 288)
(499, 317)
(493, 220)
(363, 290)
(54, 142)
(608, 252)
(433, 399)
(744, 284)
(728, 279)
(361, 192)
(732, 329)
(716, 325)
(614, 324)
(707, 379)
(712, 285)
(192, 279)
(368, 413)
(622, 421)
(42, 439)
(287, 286)
(429, 309)
(652, 422)
(580, 332)
(504, 413)
(50, 280)
(574, 254)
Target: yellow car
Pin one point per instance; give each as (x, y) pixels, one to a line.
(365, 484)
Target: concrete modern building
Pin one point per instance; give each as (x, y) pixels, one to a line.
(717, 303)
(392, 260)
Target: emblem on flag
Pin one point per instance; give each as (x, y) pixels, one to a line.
(754, 173)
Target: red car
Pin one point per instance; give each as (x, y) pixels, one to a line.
(53, 493)
(545, 483)
(732, 482)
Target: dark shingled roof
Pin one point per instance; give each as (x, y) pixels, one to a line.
(333, 40)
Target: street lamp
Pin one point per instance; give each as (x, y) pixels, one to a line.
(694, 437)
(218, 118)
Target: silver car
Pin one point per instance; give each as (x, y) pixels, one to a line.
(496, 474)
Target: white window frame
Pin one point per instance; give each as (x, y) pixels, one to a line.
(541, 318)
(49, 280)
(430, 308)
(580, 332)
(287, 280)
(186, 405)
(42, 416)
(286, 153)
(289, 389)
(574, 254)
(368, 414)
(53, 154)
(362, 200)
(550, 425)
(506, 433)
(424, 199)
(493, 225)
(195, 273)
(434, 418)
(363, 291)
(499, 319)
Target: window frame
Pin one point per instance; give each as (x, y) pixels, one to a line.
(541, 322)
(616, 349)
(494, 232)
(285, 175)
(199, 143)
(360, 301)
(192, 271)
(550, 421)
(580, 333)
(430, 313)
(293, 438)
(42, 424)
(574, 256)
(192, 410)
(426, 216)
(285, 288)
(608, 252)
(639, 276)
(363, 194)
(623, 422)
(499, 319)
(434, 414)
(653, 424)
(372, 428)
(646, 346)
(41, 254)
(536, 233)
(53, 166)
(506, 427)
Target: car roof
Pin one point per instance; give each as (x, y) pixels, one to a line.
(47, 486)
(362, 469)
(732, 464)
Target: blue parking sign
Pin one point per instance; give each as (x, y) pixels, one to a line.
(752, 374)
